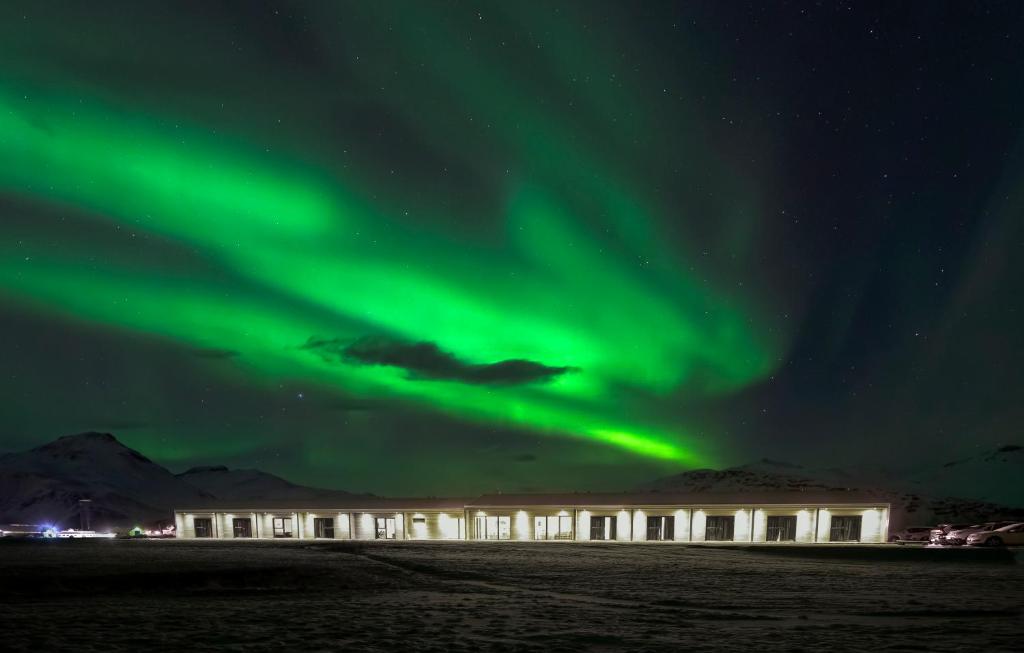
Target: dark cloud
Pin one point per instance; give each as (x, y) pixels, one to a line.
(525, 458)
(214, 353)
(427, 361)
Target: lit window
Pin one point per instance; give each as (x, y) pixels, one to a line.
(781, 528)
(242, 526)
(203, 527)
(845, 528)
(720, 529)
(323, 527)
(282, 526)
(661, 528)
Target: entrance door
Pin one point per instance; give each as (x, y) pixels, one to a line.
(385, 528)
(282, 526)
(203, 527)
(242, 527)
(781, 528)
(661, 528)
(323, 527)
(602, 528)
(540, 528)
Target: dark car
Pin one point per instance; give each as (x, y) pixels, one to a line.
(938, 534)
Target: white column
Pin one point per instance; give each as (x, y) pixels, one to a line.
(639, 526)
(583, 525)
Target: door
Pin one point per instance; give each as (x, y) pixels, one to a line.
(323, 527)
(1014, 535)
(385, 528)
(242, 527)
(282, 526)
(661, 528)
(203, 527)
(602, 528)
(540, 528)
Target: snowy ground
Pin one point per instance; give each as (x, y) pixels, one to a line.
(113, 595)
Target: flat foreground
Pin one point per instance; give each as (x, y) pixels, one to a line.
(153, 594)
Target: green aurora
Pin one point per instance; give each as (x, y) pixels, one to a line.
(453, 247)
(564, 271)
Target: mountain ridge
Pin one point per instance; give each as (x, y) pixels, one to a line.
(44, 484)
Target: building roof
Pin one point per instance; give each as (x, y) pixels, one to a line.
(634, 499)
(354, 503)
(369, 503)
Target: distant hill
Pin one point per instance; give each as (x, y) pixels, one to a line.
(44, 484)
(984, 487)
(244, 485)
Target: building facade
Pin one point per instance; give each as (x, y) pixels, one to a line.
(793, 517)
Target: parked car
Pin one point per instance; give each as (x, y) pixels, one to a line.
(911, 534)
(938, 534)
(960, 536)
(1012, 534)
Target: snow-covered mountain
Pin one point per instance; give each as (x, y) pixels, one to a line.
(979, 488)
(45, 484)
(247, 485)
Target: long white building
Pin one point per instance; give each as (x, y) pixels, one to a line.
(795, 517)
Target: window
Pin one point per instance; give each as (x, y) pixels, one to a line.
(385, 528)
(661, 528)
(498, 527)
(203, 527)
(719, 529)
(602, 528)
(282, 526)
(419, 520)
(323, 527)
(242, 527)
(845, 528)
(555, 527)
(781, 529)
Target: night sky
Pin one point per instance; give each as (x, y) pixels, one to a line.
(452, 247)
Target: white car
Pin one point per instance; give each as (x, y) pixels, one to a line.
(960, 536)
(1012, 534)
(911, 534)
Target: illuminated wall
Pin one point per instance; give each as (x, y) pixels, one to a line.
(583, 525)
(623, 526)
(824, 523)
(365, 525)
(639, 525)
(760, 525)
(700, 522)
(812, 524)
(742, 526)
(682, 525)
(805, 526)
(871, 526)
